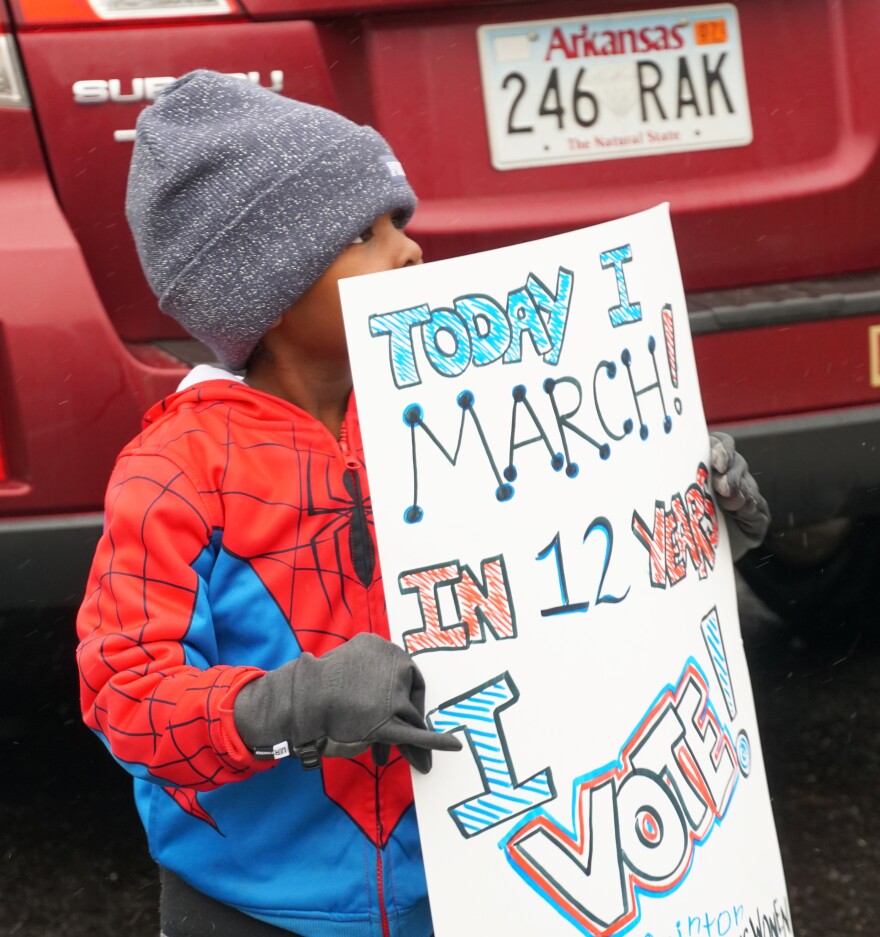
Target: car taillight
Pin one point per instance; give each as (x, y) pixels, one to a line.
(13, 92)
(91, 12)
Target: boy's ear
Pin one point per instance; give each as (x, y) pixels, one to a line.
(276, 323)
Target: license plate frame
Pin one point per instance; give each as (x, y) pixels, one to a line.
(612, 86)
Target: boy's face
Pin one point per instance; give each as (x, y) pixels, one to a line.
(314, 321)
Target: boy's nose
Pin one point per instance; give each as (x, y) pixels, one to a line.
(411, 253)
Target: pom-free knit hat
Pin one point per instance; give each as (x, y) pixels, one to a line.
(239, 199)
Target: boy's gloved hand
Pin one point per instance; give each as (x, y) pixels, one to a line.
(737, 493)
(366, 692)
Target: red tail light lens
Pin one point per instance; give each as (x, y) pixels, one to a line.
(77, 12)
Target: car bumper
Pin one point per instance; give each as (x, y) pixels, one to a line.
(816, 466)
(45, 561)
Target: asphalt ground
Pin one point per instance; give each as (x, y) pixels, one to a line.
(816, 694)
(73, 858)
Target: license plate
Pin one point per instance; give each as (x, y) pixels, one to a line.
(605, 87)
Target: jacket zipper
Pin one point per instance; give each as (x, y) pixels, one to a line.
(359, 530)
(352, 463)
(380, 878)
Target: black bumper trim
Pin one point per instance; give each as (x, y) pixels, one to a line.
(816, 466)
(783, 303)
(189, 351)
(44, 562)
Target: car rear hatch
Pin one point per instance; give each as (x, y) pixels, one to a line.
(757, 122)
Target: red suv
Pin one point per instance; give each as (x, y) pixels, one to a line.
(758, 121)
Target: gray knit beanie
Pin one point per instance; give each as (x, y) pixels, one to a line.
(239, 199)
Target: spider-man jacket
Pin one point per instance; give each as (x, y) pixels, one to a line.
(239, 534)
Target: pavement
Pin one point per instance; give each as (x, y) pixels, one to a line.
(816, 694)
(73, 858)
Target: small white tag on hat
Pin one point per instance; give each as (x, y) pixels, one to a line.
(395, 170)
(281, 750)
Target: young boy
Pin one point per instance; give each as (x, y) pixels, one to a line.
(234, 651)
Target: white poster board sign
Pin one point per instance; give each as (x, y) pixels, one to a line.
(555, 563)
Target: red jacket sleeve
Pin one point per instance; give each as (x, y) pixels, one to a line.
(163, 708)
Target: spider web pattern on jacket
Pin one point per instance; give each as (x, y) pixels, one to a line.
(280, 492)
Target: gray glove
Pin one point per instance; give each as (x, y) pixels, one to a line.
(364, 693)
(737, 493)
